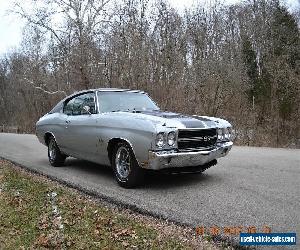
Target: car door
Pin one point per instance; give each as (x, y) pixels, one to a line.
(64, 139)
(82, 127)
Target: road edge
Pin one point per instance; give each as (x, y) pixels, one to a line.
(231, 242)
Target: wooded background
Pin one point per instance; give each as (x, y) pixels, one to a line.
(238, 62)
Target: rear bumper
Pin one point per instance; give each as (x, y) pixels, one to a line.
(172, 159)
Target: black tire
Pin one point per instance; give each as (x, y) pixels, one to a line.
(56, 158)
(135, 175)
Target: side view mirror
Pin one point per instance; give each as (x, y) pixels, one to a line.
(87, 109)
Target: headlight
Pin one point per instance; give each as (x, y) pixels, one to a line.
(226, 134)
(160, 140)
(171, 138)
(220, 134)
(230, 136)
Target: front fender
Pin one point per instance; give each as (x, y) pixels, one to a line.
(138, 133)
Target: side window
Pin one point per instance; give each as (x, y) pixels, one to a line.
(89, 100)
(68, 108)
(75, 105)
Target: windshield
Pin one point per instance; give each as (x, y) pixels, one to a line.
(124, 101)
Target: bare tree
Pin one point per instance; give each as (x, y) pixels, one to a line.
(240, 62)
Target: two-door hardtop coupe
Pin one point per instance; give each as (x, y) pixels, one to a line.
(125, 129)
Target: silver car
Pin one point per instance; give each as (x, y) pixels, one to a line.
(126, 130)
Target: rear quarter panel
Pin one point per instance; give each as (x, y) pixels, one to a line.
(53, 123)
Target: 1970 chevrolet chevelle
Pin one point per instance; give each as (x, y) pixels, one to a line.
(125, 129)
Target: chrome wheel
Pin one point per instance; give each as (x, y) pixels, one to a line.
(122, 162)
(52, 150)
(127, 171)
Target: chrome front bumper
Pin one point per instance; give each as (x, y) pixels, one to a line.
(171, 159)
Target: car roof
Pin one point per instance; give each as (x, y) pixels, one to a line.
(104, 90)
(59, 105)
(117, 90)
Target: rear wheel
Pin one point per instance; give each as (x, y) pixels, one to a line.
(56, 158)
(127, 171)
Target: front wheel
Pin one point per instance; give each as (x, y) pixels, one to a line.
(127, 171)
(56, 158)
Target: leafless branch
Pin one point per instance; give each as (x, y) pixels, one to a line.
(31, 83)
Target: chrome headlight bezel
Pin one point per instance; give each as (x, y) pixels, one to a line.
(171, 139)
(224, 134)
(220, 134)
(230, 133)
(160, 140)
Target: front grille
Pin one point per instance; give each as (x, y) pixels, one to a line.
(196, 139)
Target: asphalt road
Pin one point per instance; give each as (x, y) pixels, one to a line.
(250, 187)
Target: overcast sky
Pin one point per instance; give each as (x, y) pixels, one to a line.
(11, 27)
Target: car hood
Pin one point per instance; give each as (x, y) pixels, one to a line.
(172, 119)
(176, 120)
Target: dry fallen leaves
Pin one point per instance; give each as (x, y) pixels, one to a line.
(43, 224)
(96, 232)
(123, 232)
(57, 221)
(125, 243)
(42, 240)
